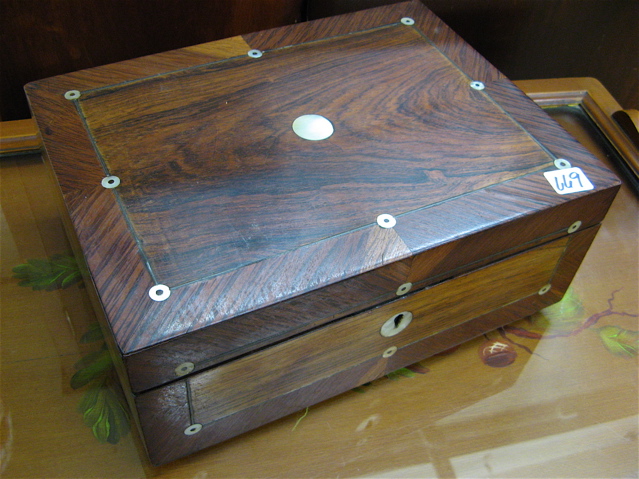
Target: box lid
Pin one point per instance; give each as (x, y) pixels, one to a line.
(213, 176)
(197, 196)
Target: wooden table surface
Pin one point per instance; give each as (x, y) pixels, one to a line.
(554, 395)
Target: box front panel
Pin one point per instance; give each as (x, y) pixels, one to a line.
(301, 361)
(226, 340)
(260, 387)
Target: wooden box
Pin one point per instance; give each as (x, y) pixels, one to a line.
(250, 260)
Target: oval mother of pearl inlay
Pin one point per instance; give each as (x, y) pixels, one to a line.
(313, 127)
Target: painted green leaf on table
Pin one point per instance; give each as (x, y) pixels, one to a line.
(90, 358)
(619, 341)
(362, 388)
(93, 334)
(90, 399)
(118, 418)
(103, 411)
(102, 405)
(58, 272)
(562, 317)
(92, 404)
(102, 427)
(90, 367)
(405, 372)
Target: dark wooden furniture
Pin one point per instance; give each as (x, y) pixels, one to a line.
(245, 273)
(522, 38)
(43, 38)
(528, 39)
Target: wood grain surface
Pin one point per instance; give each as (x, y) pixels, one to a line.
(19, 136)
(251, 392)
(43, 38)
(167, 408)
(300, 361)
(223, 181)
(460, 168)
(529, 39)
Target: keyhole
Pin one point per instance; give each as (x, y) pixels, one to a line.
(396, 324)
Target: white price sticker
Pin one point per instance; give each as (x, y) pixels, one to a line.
(568, 180)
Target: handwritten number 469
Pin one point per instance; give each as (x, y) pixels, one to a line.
(566, 183)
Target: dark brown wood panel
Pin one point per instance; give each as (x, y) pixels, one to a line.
(524, 39)
(228, 339)
(165, 414)
(253, 379)
(437, 32)
(166, 447)
(527, 39)
(548, 132)
(194, 191)
(43, 38)
(536, 223)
